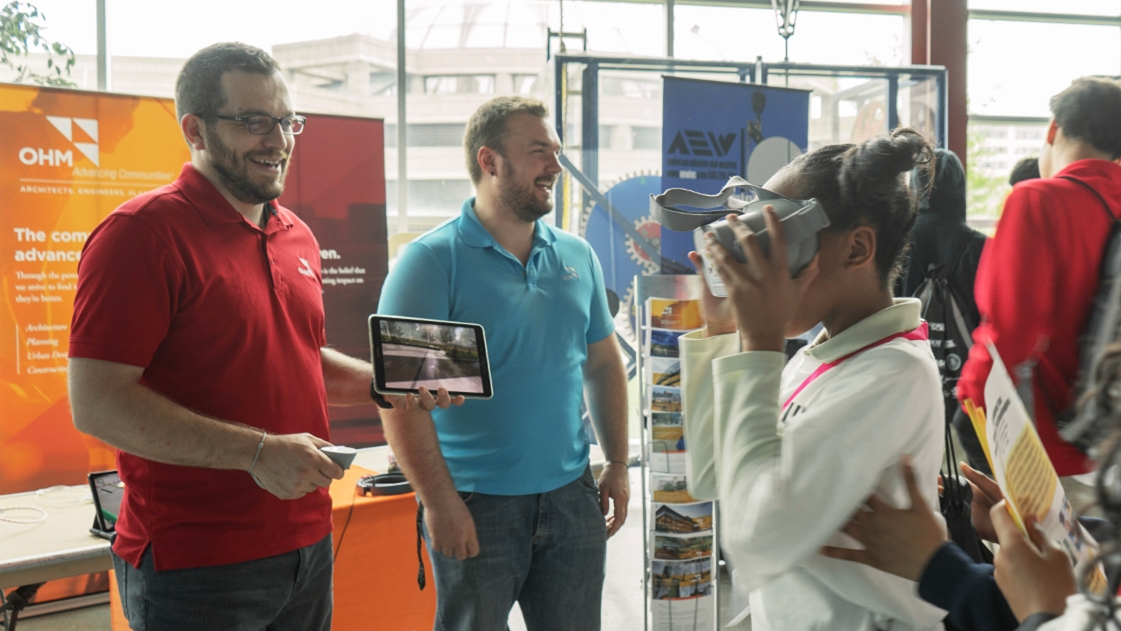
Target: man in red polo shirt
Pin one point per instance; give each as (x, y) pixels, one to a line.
(1039, 275)
(198, 350)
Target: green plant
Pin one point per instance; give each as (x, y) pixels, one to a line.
(985, 193)
(21, 26)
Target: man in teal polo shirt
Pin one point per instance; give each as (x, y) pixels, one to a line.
(511, 509)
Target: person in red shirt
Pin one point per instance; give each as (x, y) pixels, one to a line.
(198, 350)
(1039, 275)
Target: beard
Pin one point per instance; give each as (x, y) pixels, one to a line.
(523, 199)
(234, 172)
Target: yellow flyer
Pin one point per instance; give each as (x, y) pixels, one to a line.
(1023, 470)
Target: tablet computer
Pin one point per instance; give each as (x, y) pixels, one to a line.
(408, 353)
(107, 491)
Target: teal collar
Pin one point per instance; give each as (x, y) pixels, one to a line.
(474, 234)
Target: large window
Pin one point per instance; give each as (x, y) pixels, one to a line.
(1017, 61)
(1015, 67)
(340, 58)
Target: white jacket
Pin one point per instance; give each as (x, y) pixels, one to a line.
(787, 486)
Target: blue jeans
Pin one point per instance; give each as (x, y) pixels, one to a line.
(286, 592)
(545, 551)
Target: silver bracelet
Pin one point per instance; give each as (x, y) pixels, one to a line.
(260, 446)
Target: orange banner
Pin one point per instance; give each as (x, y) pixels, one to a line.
(67, 159)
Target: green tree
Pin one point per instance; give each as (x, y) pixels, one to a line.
(21, 33)
(985, 194)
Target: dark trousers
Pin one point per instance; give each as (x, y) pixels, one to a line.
(286, 592)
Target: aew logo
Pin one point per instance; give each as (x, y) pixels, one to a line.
(698, 143)
(87, 127)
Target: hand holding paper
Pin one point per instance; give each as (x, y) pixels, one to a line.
(1025, 475)
(1034, 575)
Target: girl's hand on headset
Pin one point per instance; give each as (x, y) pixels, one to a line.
(763, 296)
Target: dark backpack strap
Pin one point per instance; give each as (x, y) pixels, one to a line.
(1105, 205)
(1063, 417)
(945, 270)
(953, 266)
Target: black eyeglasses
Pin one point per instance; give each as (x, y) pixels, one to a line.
(262, 125)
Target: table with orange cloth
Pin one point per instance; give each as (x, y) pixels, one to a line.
(375, 563)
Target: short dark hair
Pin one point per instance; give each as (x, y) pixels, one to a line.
(865, 185)
(1025, 169)
(487, 127)
(1089, 110)
(198, 90)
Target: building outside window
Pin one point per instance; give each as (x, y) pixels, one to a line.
(1015, 65)
(463, 53)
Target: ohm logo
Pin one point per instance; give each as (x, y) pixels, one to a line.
(82, 132)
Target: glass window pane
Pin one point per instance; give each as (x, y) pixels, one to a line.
(485, 36)
(483, 84)
(993, 150)
(69, 23)
(141, 28)
(441, 85)
(1012, 74)
(1083, 7)
(730, 33)
(827, 38)
(524, 84)
(526, 24)
(614, 27)
(646, 138)
(442, 36)
(725, 33)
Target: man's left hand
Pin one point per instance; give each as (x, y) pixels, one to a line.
(1034, 574)
(614, 487)
(896, 541)
(424, 401)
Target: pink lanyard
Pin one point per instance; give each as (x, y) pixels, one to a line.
(917, 334)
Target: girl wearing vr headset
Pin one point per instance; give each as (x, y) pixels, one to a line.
(793, 450)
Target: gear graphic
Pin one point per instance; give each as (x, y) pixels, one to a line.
(621, 257)
(591, 204)
(650, 229)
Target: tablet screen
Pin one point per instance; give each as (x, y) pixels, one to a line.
(411, 353)
(108, 490)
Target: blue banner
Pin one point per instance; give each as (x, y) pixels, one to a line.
(713, 130)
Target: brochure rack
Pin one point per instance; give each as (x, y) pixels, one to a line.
(681, 543)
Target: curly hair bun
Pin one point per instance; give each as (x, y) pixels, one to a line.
(870, 171)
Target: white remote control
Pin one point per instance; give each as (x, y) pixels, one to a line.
(342, 456)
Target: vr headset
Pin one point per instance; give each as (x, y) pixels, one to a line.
(801, 220)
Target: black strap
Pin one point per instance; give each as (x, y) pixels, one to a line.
(934, 270)
(960, 254)
(1055, 411)
(1101, 199)
(420, 546)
